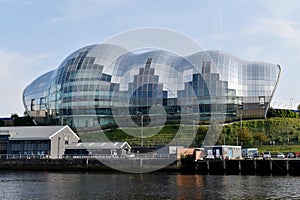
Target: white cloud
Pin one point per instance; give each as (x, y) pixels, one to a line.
(283, 29)
(277, 41)
(17, 3)
(271, 39)
(283, 9)
(83, 9)
(279, 23)
(17, 70)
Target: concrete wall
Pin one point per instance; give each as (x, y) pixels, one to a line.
(60, 140)
(248, 167)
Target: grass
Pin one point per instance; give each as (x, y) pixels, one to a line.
(156, 136)
(279, 148)
(161, 136)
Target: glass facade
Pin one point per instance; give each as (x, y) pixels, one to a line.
(99, 85)
(30, 147)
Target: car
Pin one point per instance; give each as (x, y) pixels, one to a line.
(130, 155)
(280, 155)
(267, 155)
(248, 157)
(291, 155)
(210, 157)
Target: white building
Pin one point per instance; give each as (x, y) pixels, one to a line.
(95, 149)
(223, 151)
(38, 141)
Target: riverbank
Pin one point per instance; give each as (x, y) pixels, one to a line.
(88, 164)
(281, 167)
(269, 167)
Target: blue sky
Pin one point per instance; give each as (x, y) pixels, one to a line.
(37, 35)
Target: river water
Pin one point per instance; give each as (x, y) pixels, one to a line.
(58, 185)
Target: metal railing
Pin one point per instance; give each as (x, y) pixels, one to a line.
(95, 156)
(23, 156)
(125, 156)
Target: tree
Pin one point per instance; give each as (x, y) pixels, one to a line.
(244, 136)
(22, 121)
(282, 113)
(14, 116)
(201, 133)
(260, 137)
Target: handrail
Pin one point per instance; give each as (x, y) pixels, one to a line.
(96, 156)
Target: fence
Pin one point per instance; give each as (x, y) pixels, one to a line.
(96, 156)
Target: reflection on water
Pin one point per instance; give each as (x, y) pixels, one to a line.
(50, 185)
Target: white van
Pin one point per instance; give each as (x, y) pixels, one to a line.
(267, 155)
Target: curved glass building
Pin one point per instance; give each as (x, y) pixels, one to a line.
(102, 85)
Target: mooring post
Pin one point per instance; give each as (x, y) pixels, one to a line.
(87, 164)
(141, 164)
(207, 165)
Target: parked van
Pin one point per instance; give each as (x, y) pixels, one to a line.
(267, 155)
(250, 153)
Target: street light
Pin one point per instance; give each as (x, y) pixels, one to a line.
(194, 128)
(142, 127)
(287, 133)
(241, 129)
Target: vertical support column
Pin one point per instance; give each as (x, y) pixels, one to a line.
(87, 164)
(141, 164)
(207, 165)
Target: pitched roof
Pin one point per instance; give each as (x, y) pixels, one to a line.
(98, 145)
(31, 132)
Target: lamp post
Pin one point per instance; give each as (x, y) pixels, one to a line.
(241, 124)
(142, 126)
(241, 129)
(287, 133)
(142, 129)
(194, 128)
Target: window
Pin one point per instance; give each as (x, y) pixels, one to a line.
(32, 104)
(261, 101)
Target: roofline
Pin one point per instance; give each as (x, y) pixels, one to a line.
(28, 139)
(124, 144)
(273, 92)
(84, 145)
(66, 126)
(222, 146)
